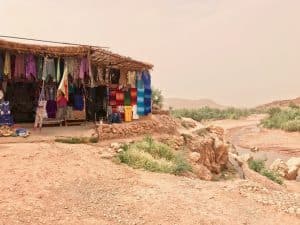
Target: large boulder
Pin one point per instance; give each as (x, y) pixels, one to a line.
(280, 167)
(293, 165)
(212, 148)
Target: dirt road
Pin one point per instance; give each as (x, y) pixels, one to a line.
(247, 133)
(51, 183)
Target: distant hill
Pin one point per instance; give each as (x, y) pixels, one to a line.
(179, 103)
(280, 103)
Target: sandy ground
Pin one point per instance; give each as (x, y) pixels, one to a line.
(43, 182)
(51, 183)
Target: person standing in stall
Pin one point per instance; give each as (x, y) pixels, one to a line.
(62, 104)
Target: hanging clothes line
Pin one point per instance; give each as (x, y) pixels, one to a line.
(53, 42)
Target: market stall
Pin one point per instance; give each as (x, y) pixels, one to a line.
(67, 84)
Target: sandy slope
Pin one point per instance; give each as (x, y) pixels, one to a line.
(50, 183)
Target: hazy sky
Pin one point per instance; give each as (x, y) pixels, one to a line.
(236, 52)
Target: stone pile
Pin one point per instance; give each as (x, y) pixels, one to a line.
(151, 125)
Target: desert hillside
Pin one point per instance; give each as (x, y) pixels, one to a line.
(281, 103)
(180, 103)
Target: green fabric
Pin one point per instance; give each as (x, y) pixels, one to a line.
(127, 98)
(40, 67)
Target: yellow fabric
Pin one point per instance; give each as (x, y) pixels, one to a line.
(7, 66)
(128, 113)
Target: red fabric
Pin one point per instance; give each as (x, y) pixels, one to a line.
(133, 96)
(62, 102)
(120, 98)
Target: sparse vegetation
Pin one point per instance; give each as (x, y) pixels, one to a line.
(259, 167)
(157, 98)
(207, 113)
(77, 140)
(285, 119)
(153, 156)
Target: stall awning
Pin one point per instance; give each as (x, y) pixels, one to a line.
(99, 56)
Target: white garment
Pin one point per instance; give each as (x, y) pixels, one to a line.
(135, 116)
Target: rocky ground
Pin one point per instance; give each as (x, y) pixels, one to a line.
(53, 183)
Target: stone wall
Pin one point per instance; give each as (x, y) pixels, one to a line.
(159, 124)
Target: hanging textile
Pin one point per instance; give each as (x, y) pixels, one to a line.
(58, 74)
(140, 95)
(91, 75)
(51, 109)
(135, 116)
(148, 93)
(30, 67)
(127, 97)
(133, 96)
(40, 63)
(146, 79)
(1, 68)
(49, 69)
(123, 77)
(7, 65)
(119, 98)
(84, 68)
(19, 66)
(114, 76)
(147, 101)
(63, 86)
(112, 96)
(131, 79)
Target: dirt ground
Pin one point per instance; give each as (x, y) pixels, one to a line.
(247, 133)
(53, 183)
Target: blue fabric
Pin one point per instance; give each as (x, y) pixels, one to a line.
(146, 79)
(115, 118)
(147, 101)
(78, 102)
(6, 120)
(140, 95)
(4, 109)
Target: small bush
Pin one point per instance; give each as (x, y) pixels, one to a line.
(153, 156)
(259, 167)
(77, 140)
(207, 113)
(272, 176)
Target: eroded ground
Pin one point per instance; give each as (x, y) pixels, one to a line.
(51, 183)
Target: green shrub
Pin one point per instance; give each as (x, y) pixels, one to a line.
(287, 119)
(153, 156)
(207, 113)
(272, 176)
(259, 167)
